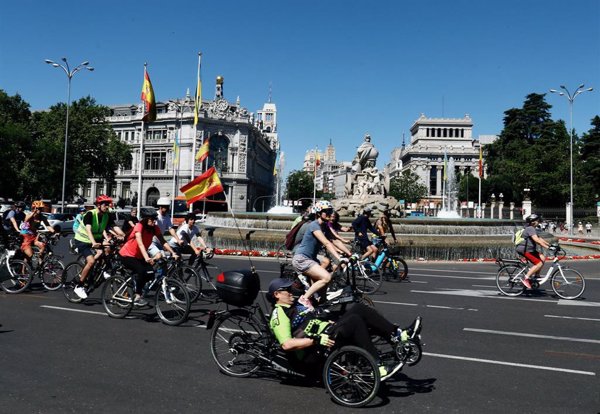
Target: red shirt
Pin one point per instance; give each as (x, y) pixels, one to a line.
(131, 248)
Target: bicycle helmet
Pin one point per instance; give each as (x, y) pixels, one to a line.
(164, 201)
(20, 204)
(37, 204)
(103, 199)
(531, 218)
(323, 205)
(148, 213)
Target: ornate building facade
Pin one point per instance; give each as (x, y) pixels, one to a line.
(430, 139)
(242, 149)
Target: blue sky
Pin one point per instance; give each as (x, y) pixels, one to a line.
(338, 68)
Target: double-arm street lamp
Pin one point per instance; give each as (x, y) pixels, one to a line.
(70, 73)
(571, 97)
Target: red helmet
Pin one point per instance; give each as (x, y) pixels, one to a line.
(103, 199)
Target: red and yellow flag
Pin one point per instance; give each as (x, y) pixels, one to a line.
(203, 186)
(203, 151)
(148, 99)
(480, 161)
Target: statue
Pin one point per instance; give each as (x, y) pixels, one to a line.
(366, 155)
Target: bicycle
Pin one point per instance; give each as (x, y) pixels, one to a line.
(566, 283)
(186, 274)
(171, 298)
(392, 266)
(102, 269)
(242, 343)
(49, 268)
(201, 268)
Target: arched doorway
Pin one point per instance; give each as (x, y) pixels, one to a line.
(152, 196)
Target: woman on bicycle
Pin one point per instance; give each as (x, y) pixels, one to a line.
(334, 227)
(305, 258)
(134, 253)
(528, 248)
(30, 229)
(299, 330)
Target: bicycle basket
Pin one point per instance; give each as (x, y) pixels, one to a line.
(238, 287)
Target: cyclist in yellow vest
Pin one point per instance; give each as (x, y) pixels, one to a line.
(89, 236)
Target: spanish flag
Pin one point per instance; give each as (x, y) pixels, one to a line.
(203, 186)
(203, 151)
(148, 99)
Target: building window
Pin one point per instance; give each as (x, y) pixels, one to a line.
(156, 134)
(125, 189)
(433, 181)
(268, 117)
(155, 160)
(87, 190)
(99, 188)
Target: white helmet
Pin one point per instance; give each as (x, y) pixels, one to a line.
(164, 201)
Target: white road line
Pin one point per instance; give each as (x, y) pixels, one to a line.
(528, 335)
(572, 317)
(453, 277)
(577, 303)
(512, 364)
(449, 307)
(395, 303)
(418, 281)
(73, 310)
(456, 271)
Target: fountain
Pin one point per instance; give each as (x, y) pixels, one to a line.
(450, 196)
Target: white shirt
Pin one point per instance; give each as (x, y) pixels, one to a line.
(185, 233)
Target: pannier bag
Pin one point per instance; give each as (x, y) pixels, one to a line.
(238, 287)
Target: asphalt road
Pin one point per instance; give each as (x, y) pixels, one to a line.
(483, 353)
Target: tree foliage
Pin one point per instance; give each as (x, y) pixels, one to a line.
(300, 185)
(34, 147)
(407, 187)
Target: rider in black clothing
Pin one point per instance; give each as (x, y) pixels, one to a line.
(362, 225)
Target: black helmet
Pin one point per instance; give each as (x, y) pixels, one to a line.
(531, 218)
(20, 204)
(148, 213)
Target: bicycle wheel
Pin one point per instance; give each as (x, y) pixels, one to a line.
(21, 275)
(410, 351)
(70, 277)
(211, 290)
(509, 280)
(235, 343)
(172, 302)
(117, 296)
(567, 283)
(395, 268)
(351, 376)
(52, 274)
(188, 276)
(368, 279)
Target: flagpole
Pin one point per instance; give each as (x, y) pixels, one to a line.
(480, 176)
(315, 179)
(176, 163)
(242, 238)
(197, 106)
(142, 136)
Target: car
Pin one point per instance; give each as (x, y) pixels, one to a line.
(62, 223)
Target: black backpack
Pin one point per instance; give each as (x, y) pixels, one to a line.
(291, 236)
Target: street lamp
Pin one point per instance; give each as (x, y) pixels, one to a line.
(571, 98)
(70, 73)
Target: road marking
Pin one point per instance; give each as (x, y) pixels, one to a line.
(577, 303)
(73, 310)
(512, 364)
(572, 317)
(395, 303)
(528, 335)
(453, 277)
(449, 307)
(418, 281)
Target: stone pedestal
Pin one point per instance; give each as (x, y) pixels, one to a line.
(482, 210)
(492, 207)
(500, 207)
(526, 208)
(512, 210)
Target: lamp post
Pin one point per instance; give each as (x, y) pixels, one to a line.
(571, 98)
(70, 73)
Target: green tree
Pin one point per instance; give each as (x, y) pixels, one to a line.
(589, 177)
(530, 153)
(93, 149)
(299, 185)
(407, 187)
(15, 140)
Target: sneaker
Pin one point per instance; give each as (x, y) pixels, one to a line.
(334, 294)
(106, 275)
(80, 291)
(391, 373)
(383, 372)
(526, 283)
(139, 301)
(306, 303)
(402, 335)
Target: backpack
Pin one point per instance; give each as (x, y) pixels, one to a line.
(291, 236)
(518, 237)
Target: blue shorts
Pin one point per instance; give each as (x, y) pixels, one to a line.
(84, 249)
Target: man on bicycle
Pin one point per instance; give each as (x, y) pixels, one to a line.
(528, 248)
(297, 329)
(191, 242)
(362, 225)
(11, 221)
(89, 236)
(165, 225)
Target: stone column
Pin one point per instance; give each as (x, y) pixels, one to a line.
(482, 210)
(512, 212)
(93, 185)
(438, 184)
(500, 207)
(526, 208)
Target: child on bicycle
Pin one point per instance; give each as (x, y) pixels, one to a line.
(134, 253)
(528, 248)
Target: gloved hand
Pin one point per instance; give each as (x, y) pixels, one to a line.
(324, 340)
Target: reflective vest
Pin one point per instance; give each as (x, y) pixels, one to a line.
(97, 228)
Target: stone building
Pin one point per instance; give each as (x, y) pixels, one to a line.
(242, 149)
(430, 139)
